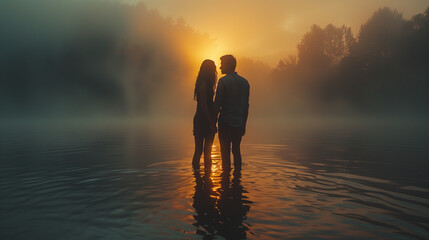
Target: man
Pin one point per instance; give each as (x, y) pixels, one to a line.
(232, 101)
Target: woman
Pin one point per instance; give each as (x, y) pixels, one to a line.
(204, 119)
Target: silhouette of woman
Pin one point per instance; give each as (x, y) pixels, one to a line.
(204, 119)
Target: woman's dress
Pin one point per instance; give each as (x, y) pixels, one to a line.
(201, 123)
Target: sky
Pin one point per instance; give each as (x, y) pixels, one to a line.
(270, 30)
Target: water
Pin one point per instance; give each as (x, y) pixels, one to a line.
(300, 182)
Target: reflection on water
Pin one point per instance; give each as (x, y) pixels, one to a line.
(220, 205)
(139, 184)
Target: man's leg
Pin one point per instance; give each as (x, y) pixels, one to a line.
(236, 141)
(225, 150)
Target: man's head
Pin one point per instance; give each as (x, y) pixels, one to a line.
(227, 64)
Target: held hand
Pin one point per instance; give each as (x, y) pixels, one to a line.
(243, 131)
(213, 129)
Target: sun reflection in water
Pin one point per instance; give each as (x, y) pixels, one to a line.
(219, 201)
(216, 168)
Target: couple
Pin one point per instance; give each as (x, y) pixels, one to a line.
(231, 104)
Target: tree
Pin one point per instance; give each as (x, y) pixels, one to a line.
(381, 34)
(325, 47)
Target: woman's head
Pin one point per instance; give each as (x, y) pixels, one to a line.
(206, 76)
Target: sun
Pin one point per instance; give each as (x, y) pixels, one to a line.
(213, 52)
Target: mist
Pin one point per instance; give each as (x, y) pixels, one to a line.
(93, 58)
(98, 59)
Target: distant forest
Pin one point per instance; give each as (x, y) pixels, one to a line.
(71, 58)
(384, 70)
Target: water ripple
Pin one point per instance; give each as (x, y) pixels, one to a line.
(149, 191)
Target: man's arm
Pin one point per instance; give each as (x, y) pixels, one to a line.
(246, 112)
(218, 99)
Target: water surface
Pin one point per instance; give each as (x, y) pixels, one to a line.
(136, 182)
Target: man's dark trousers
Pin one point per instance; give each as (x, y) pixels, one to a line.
(230, 137)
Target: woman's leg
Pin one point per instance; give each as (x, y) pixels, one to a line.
(208, 142)
(198, 151)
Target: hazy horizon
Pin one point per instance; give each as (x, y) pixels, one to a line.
(93, 58)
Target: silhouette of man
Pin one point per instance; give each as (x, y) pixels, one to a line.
(232, 102)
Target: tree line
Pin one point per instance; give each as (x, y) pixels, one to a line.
(384, 70)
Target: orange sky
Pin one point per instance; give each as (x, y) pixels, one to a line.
(270, 30)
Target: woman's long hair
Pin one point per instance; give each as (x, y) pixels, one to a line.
(207, 75)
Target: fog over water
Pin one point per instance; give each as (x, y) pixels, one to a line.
(84, 59)
(90, 58)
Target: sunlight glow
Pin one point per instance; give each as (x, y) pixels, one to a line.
(212, 52)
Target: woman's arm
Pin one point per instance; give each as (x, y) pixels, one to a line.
(203, 101)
